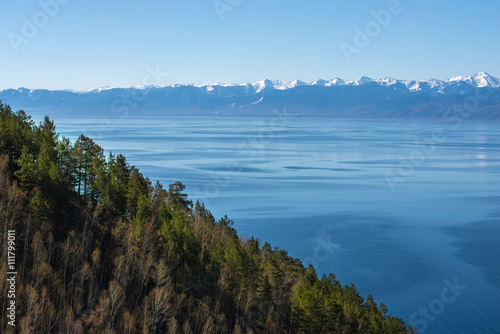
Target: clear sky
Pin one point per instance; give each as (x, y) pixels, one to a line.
(86, 44)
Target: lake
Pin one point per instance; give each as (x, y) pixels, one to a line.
(406, 210)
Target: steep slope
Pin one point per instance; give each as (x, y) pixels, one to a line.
(99, 248)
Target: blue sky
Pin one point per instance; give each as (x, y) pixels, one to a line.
(89, 44)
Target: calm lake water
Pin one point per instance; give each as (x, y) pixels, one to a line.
(408, 211)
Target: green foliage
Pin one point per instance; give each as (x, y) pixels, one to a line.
(103, 250)
(176, 198)
(40, 212)
(16, 131)
(26, 174)
(177, 236)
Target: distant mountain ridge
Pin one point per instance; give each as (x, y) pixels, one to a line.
(362, 98)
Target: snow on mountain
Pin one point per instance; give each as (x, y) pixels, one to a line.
(483, 79)
(412, 85)
(386, 81)
(319, 82)
(419, 85)
(362, 81)
(338, 82)
(364, 97)
(261, 85)
(479, 80)
(287, 84)
(260, 100)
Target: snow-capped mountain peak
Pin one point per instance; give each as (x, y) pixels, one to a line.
(287, 84)
(480, 80)
(362, 81)
(483, 79)
(338, 82)
(432, 86)
(261, 85)
(386, 98)
(386, 81)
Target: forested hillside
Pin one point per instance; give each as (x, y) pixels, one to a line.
(100, 248)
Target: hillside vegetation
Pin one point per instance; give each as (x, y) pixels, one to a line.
(102, 249)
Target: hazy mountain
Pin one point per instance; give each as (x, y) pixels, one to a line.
(472, 97)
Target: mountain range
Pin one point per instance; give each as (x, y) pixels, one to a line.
(475, 97)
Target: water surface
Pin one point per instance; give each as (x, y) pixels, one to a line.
(402, 209)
